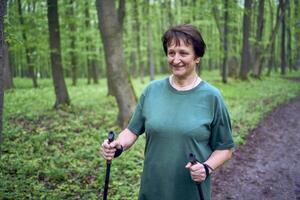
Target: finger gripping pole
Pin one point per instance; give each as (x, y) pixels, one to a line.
(193, 160)
(110, 138)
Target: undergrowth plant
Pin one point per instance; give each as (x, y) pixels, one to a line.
(54, 154)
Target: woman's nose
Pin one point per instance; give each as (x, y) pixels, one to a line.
(176, 59)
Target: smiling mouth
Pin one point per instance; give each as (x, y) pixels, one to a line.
(176, 66)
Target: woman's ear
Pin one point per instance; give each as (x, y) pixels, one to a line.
(197, 60)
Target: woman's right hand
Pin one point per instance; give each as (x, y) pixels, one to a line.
(108, 150)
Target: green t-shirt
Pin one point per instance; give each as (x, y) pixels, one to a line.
(176, 124)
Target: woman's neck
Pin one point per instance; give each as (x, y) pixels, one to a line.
(185, 83)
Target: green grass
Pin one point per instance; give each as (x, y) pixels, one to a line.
(53, 154)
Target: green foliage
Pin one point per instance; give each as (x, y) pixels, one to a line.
(53, 154)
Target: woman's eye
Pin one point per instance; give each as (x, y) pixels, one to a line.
(171, 53)
(184, 53)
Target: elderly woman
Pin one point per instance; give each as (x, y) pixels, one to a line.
(180, 114)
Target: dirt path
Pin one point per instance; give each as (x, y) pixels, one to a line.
(268, 165)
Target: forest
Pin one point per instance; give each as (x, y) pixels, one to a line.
(72, 70)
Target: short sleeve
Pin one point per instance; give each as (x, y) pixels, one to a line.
(221, 131)
(137, 121)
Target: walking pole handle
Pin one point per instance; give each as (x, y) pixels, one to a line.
(193, 160)
(111, 136)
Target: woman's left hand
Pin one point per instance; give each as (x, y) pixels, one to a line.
(197, 171)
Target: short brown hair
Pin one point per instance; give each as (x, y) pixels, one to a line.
(186, 32)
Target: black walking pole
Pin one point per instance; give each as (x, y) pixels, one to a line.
(108, 163)
(193, 160)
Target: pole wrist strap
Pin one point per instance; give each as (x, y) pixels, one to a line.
(206, 170)
(118, 152)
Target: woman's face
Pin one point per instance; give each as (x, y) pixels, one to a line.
(182, 59)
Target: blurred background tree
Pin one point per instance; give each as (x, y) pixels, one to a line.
(243, 38)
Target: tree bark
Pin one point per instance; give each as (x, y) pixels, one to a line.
(2, 13)
(282, 53)
(216, 12)
(28, 51)
(149, 42)
(225, 43)
(289, 37)
(169, 12)
(271, 61)
(218, 19)
(72, 30)
(246, 45)
(95, 71)
(133, 64)
(297, 34)
(7, 76)
(271, 46)
(110, 25)
(259, 33)
(61, 91)
(137, 30)
(87, 41)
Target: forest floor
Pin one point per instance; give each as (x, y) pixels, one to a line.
(267, 166)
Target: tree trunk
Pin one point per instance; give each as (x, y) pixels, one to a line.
(282, 53)
(259, 33)
(246, 45)
(149, 42)
(61, 91)
(169, 12)
(289, 37)
(72, 31)
(150, 53)
(28, 51)
(218, 20)
(225, 43)
(111, 26)
(271, 61)
(297, 34)
(279, 17)
(271, 47)
(137, 30)
(2, 13)
(87, 41)
(94, 71)
(8, 80)
(133, 64)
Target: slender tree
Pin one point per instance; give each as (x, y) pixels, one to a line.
(297, 33)
(90, 48)
(28, 50)
(72, 32)
(2, 13)
(225, 43)
(216, 13)
(169, 12)
(149, 41)
(289, 36)
(282, 47)
(61, 91)
(246, 44)
(136, 51)
(8, 80)
(137, 30)
(271, 45)
(111, 26)
(259, 34)
(87, 43)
